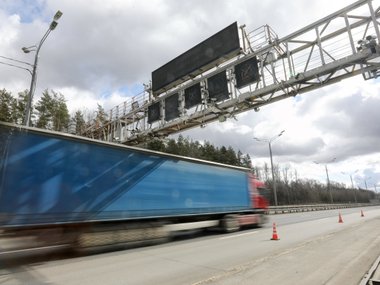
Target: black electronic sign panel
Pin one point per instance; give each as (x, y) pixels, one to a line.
(193, 96)
(217, 87)
(154, 112)
(219, 47)
(172, 107)
(247, 72)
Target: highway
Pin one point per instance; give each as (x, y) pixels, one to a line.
(313, 249)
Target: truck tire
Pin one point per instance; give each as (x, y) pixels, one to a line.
(263, 220)
(230, 223)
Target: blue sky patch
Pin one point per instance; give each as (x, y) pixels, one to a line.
(28, 10)
(131, 90)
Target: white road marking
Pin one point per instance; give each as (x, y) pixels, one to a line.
(323, 219)
(238, 235)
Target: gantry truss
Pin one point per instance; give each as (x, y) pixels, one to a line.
(339, 46)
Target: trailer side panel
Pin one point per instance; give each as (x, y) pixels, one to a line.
(47, 178)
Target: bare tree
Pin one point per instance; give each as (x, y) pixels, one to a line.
(266, 171)
(285, 173)
(295, 175)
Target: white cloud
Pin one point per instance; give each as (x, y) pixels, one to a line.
(8, 30)
(77, 98)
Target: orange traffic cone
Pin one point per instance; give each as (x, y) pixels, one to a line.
(340, 218)
(274, 235)
(362, 214)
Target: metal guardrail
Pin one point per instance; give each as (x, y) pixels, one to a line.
(309, 208)
(372, 277)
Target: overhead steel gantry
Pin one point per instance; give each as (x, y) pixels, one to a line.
(339, 46)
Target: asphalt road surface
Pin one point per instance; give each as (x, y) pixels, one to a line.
(313, 249)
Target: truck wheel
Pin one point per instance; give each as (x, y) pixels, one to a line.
(230, 223)
(263, 220)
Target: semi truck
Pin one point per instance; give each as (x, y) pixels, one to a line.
(62, 189)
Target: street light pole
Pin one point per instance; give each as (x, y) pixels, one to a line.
(352, 186)
(328, 179)
(269, 141)
(273, 176)
(31, 91)
(37, 48)
(328, 182)
(352, 183)
(328, 185)
(365, 181)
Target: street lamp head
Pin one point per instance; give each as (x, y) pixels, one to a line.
(57, 15)
(28, 49)
(280, 134)
(261, 140)
(53, 25)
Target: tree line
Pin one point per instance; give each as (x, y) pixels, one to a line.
(51, 112)
(206, 151)
(309, 191)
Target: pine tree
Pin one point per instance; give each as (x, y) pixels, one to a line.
(20, 106)
(157, 145)
(246, 161)
(44, 108)
(172, 147)
(209, 152)
(7, 103)
(60, 113)
(52, 112)
(232, 157)
(79, 122)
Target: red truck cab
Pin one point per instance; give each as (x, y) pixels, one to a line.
(258, 193)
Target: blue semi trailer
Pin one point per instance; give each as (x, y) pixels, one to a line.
(62, 189)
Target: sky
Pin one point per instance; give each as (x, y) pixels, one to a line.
(102, 52)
